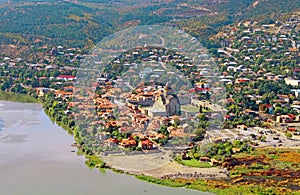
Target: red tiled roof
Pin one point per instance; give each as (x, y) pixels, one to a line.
(66, 77)
(128, 142)
(113, 140)
(269, 106)
(291, 115)
(227, 116)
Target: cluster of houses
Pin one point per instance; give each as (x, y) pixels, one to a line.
(252, 53)
(149, 107)
(140, 113)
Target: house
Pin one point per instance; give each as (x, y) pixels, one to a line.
(204, 159)
(49, 67)
(111, 143)
(124, 129)
(267, 108)
(297, 118)
(145, 144)
(284, 119)
(292, 82)
(292, 129)
(171, 128)
(41, 91)
(230, 101)
(249, 111)
(69, 88)
(227, 117)
(155, 135)
(185, 156)
(111, 124)
(174, 132)
(63, 94)
(236, 150)
(284, 98)
(214, 162)
(127, 143)
(66, 77)
(296, 107)
(231, 69)
(242, 80)
(217, 139)
(296, 92)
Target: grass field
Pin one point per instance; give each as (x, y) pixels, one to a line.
(17, 97)
(193, 163)
(190, 108)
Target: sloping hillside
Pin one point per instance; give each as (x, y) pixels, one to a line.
(84, 23)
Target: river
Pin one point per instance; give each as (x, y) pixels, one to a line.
(36, 158)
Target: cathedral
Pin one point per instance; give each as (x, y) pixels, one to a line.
(167, 102)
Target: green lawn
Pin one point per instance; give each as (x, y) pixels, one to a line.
(193, 163)
(17, 97)
(190, 108)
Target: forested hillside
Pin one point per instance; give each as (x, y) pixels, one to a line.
(231, 11)
(84, 23)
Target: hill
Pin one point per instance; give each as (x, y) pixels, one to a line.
(84, 23)
(232, 11)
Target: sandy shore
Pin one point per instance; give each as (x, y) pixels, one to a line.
(158, 166)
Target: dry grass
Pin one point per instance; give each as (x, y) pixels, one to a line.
(292, 157)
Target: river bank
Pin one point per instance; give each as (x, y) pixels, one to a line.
(14, 97)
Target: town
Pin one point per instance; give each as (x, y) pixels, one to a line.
(253, 101)
(262, 95)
